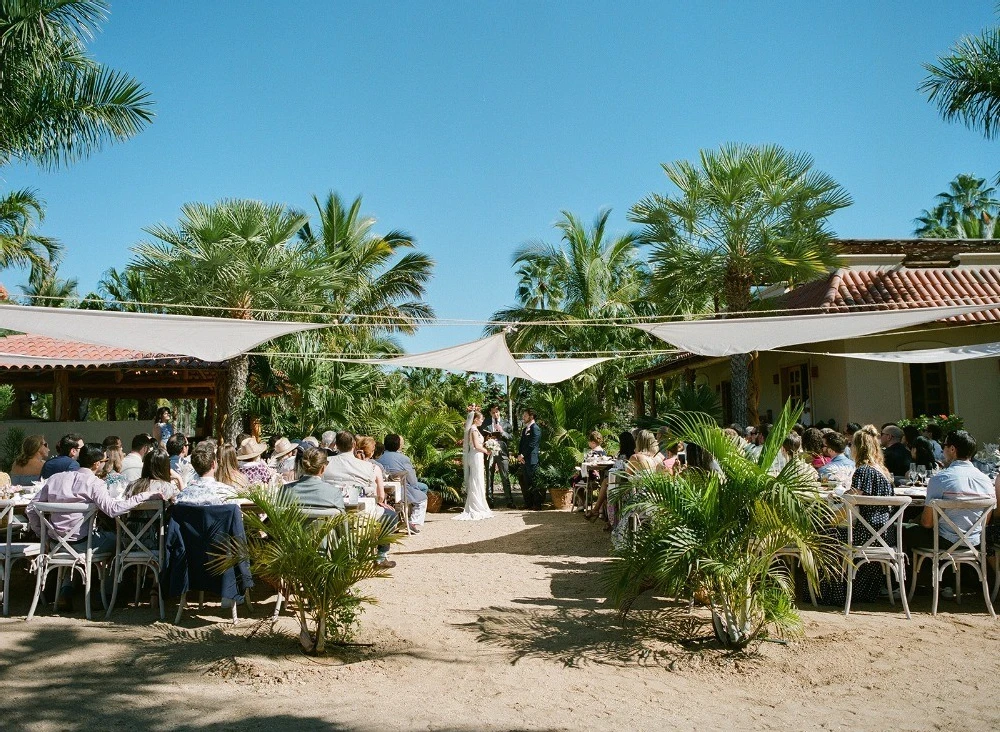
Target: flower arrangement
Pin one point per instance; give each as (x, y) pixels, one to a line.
(947, 422)
(493, 446)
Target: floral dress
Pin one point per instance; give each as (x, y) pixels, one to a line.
(869, 580)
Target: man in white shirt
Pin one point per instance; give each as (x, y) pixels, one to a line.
(132, 463)
(205, 490)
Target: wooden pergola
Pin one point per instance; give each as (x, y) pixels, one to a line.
(73, 371)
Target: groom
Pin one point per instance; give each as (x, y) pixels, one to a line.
(527, 455)
(499, 429)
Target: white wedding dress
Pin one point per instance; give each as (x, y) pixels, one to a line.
(476, 508)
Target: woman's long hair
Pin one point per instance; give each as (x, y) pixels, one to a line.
(923, 453)
(114, 461)
(30, 446)
(228, 471)
(866, 450)
(626, 445)
(155, 466)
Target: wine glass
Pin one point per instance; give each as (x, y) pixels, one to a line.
(922, 474)
(911, 474)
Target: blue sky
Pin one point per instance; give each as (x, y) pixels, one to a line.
(472, 125)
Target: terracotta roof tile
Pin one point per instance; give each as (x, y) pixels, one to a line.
(70, 354)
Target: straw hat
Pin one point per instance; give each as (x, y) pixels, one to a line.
(250, 449)
(282, 447)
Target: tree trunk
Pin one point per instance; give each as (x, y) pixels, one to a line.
(237, 372)
(739, 367)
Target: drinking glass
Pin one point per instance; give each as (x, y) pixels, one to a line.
(911, 474)
(922, 473)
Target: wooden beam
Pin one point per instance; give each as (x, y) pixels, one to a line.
(112, 409)
(60, 396)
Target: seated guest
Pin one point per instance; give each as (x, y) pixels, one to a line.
(671, 463)
(82, 486)
(849, 431)
(933, 433)
(910, 435)
(959, 479)
(252, 465)
(812, 446)
(835, 448)
(228, 471)
(757, 437)
(157, 476)
(345, 469)
(326, 442)
(626, 448)
(205, 490)
(178, 448)
(68, 448)
(871, 478)
(132, 463)
(28, 464)
(394, 461)
(283, 458)
(922, 452)
(897, 457)
(646, 455)
(111, 472)
(791, 451)
(595, 450)
(311, 490)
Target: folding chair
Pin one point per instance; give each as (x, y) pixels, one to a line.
(143, 549)
(55, 552)
(876, 549)
(960, 552)
(403, 504)
(11, 550)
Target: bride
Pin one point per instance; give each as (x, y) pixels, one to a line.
(473, 454)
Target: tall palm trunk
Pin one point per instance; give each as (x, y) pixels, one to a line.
(237, 373)
(739, 368)
(744, 398)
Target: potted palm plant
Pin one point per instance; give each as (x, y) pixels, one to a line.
(716, 534)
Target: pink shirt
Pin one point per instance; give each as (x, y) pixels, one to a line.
(80, 486)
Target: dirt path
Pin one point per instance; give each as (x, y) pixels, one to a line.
(497, 625)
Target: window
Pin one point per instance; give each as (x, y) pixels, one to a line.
(929, 388)
(795, 384)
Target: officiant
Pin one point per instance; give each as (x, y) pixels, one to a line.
(497, 428)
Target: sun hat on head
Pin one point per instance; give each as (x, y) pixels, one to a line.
(250, 449)
(309, 441)
(283, 447)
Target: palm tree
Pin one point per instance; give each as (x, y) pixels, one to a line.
(964, 84)
(716, 535)
(386, 294)
(598, 276)
(48, 289)
(537, 286)
(20, 212)
(238, 259)
(743, 217)
(57, 104)
(967, 210)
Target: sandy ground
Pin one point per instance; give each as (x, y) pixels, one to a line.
(497, 625)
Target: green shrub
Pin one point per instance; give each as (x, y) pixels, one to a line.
(10, 446)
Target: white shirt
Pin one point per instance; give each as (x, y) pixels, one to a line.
(132, 467)
(345, 468)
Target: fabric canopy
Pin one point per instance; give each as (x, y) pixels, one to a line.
(491, 356)
(930, 355)
(208, 339)
(743, 335)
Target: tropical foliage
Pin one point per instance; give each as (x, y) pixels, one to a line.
(742, 217)
(967, 210)
(317, 571)
(964, 83)
(716, 535)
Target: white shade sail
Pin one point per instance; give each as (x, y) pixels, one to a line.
(491, 356)
(743, 335)
(208, 339)
(930, 355)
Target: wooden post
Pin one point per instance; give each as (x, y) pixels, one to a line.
(21, 409)
(640, 400)
(112, 409)
(60, 395)
(652, 397)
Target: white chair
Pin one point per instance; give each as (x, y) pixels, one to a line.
(402, 501)
(55, 552)
(963, 551)
(143, 549)
(876, 550)
(12, 550)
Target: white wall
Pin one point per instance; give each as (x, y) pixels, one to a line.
(91, 431)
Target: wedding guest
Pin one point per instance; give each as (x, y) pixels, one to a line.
(163, 428)
(812, 445)
(835, 448)
(671, 463)
(626, 448)
(910, 435)
(111, 471)
(68, 447)
(394, 461)
(933, 433)
(283, 458)
(897, 457)
(228, 470)
(156, 476)
(922, 452)
(132, 463)
(82, 486)
(871, 478)
(205, 490)
(959, 479)
(252, 464)
(646, 455)
(178, 448)
(595, 442)
(849, 431)
(311, 490)
(346, 469)
(28, 464)
(326, 442)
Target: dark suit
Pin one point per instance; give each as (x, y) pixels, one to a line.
(500, 461)
(527, 447)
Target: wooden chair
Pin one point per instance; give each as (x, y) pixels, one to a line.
(12, 550)
(876, 550)
(962, 551)
(403, 504)
(139, 550)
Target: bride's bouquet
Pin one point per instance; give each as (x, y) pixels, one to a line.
(493, 446)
